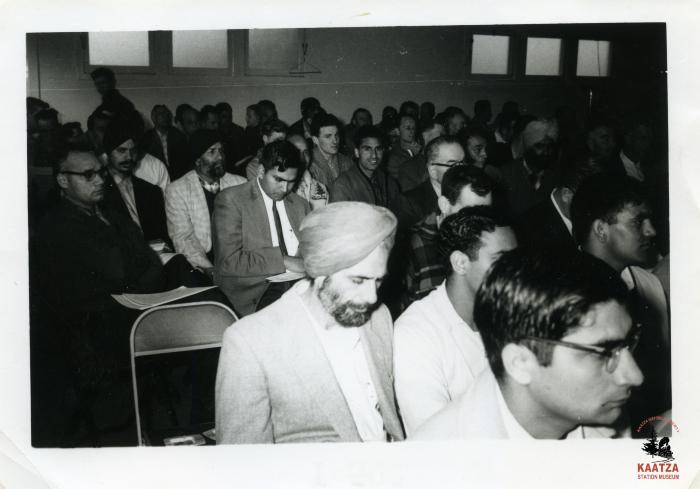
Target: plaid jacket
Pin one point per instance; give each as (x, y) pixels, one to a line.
(189, 224)
(424, 268)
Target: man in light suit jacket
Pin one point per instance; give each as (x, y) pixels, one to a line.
(561, 371)
(316, 365)
(189, 201)
(255, 228)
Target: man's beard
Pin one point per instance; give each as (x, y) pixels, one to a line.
(347, 314)
(216, 170)
(538, 162)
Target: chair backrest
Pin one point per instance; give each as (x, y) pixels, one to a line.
(176, 328)
(180, 327)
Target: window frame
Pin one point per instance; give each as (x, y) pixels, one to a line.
(230, 69)
(272, 72)
(510, 75)
(562, 57)
(610, 60)
(121, 69)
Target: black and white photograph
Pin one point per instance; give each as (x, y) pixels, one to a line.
(441, 247)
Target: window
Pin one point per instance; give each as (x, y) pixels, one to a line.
(118, 49)
(543, 56)
(200, 49)
(490, 55)
(593, 58)
(273, 51)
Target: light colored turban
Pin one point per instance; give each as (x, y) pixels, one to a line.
(342, 234)
(538, 130)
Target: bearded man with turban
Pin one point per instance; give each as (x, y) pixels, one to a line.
(530, 179)
(316, 365)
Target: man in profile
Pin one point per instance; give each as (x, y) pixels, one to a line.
(315, 366)
(559, 342)
(438, 351)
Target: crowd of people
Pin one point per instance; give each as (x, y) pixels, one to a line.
(447, 275)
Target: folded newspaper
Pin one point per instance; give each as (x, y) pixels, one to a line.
(146, 301)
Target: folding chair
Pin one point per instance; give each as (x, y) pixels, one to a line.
(176, 328)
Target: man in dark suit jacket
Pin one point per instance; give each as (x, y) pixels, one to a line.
(548, 224)
(254, 230)
(410, 207)
(135, 198)
(166, 143)
(310, 106)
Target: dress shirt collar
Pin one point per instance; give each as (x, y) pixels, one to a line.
(567, 222)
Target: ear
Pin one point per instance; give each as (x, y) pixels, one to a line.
(600, 230)
(62, 180)
(261, 171)
(357, 154)
(444, 205)
(317, 282)
(266, 140)
(315, 140)
(432, 171)
(460, 262)
(519, 363)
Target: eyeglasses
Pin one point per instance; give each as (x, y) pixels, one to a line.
(88, 175)
(610, 353)
(449, 164)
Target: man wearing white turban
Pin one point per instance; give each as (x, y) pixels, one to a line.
(316, 365)
(530, 179)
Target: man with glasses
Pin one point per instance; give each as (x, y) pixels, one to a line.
(441, 154)
(559, 342)
(80, 254)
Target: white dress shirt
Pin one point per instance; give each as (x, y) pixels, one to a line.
(437, 357)
(126, 189)
(346, 355)
(632, 169)
(290, 239)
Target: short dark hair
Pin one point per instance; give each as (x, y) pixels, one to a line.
(221, 106)
(357, 111)
(281, 155)
(309, 103)
(408, 104)
(369, 132)
(323, 120)
(540, 293)
(433, 147)
(181, 109)
(103, 72)
(47, 114)
(460, 176)
(472, 132)
(462, 231)
(267, 109)
(273, 125)
(603, 196)
(206, 110)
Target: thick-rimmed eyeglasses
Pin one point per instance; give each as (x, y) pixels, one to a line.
(88, 175)
(611, 353)
(449, 164)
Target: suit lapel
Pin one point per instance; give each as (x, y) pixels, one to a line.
(259, 213)
(316, 375)
(295, 213)
(380, 369)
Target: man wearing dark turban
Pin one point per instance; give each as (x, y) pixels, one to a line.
(125, 193)
(189, 200)
(316, 365)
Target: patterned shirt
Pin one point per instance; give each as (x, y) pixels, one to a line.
(424, 269)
